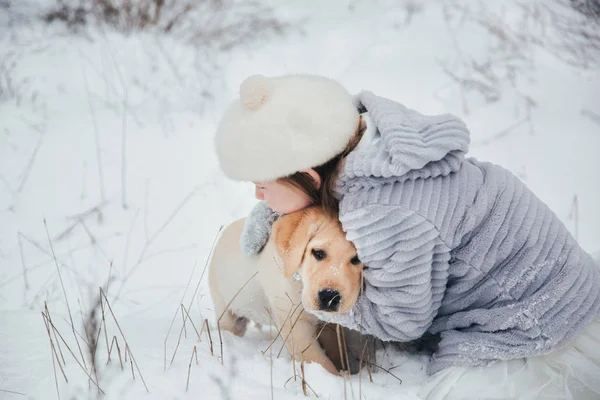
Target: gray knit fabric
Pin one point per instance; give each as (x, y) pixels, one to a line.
(457, 247)
(257, 228)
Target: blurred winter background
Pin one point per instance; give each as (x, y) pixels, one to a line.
(111, 196)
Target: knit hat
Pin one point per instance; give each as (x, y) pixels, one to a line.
(282, 125)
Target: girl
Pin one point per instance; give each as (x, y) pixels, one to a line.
(454, 247)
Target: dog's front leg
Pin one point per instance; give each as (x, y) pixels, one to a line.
(301, 340)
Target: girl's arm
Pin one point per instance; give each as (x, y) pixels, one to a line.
(406, 272)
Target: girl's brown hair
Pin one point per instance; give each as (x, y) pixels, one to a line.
(329, 171)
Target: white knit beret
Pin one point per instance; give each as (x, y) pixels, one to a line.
(282, 125)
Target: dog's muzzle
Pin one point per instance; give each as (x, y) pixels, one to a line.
(329, 300)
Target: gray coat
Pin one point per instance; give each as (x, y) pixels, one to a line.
(453, 246)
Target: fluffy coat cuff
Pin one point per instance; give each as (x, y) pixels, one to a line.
(257, 228)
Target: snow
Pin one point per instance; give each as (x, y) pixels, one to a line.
(77, 101)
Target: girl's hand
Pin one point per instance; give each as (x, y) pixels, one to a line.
(257, 229)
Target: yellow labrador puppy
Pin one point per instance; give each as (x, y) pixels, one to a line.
(305, 247)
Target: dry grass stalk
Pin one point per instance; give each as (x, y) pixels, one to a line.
(155, 235)
(225, 310)
(55, 338)
(187, 316)
(175, 315)
(127, 347)
(54, 369)
(369, 372)
(103, 323)
(184, 325)
(54, 356)
(293, 354)
(383, 369)
(307, 384)
(345, 346)
(115, 342)
(184, 310)
(128, 351)
(281, 328)
(71, 351)
(341, 338)
(65, 294)
(362, 286)
(291, 330)
(317, 335)
(191, 300)
(177, 346)
(209, 336)
(13, 392)
(25, 280)
(195, 351)
(360, 368)
(78, 334)
(271, 354)
(304, 384)
(79, 219)
(341, 350)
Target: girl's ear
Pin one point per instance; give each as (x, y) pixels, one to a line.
(291, 234)
(314, 176)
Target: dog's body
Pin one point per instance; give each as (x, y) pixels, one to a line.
(267, 292)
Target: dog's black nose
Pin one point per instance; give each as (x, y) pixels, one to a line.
(329, 300)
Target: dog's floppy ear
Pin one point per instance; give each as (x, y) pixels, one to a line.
(291, 234)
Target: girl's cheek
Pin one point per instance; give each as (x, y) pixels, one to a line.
(259, 194)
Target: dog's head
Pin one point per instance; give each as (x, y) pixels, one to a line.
(313, 244)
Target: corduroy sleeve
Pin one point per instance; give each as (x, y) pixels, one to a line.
(405, 276)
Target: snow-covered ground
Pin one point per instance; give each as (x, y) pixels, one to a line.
(106, 161)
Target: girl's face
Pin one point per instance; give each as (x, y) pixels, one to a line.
(281, 198)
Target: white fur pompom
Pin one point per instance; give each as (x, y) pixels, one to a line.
(254, 91)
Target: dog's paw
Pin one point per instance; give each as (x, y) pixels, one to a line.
(241, 324)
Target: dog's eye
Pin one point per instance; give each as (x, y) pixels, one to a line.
(355, 260)
(318, 254)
